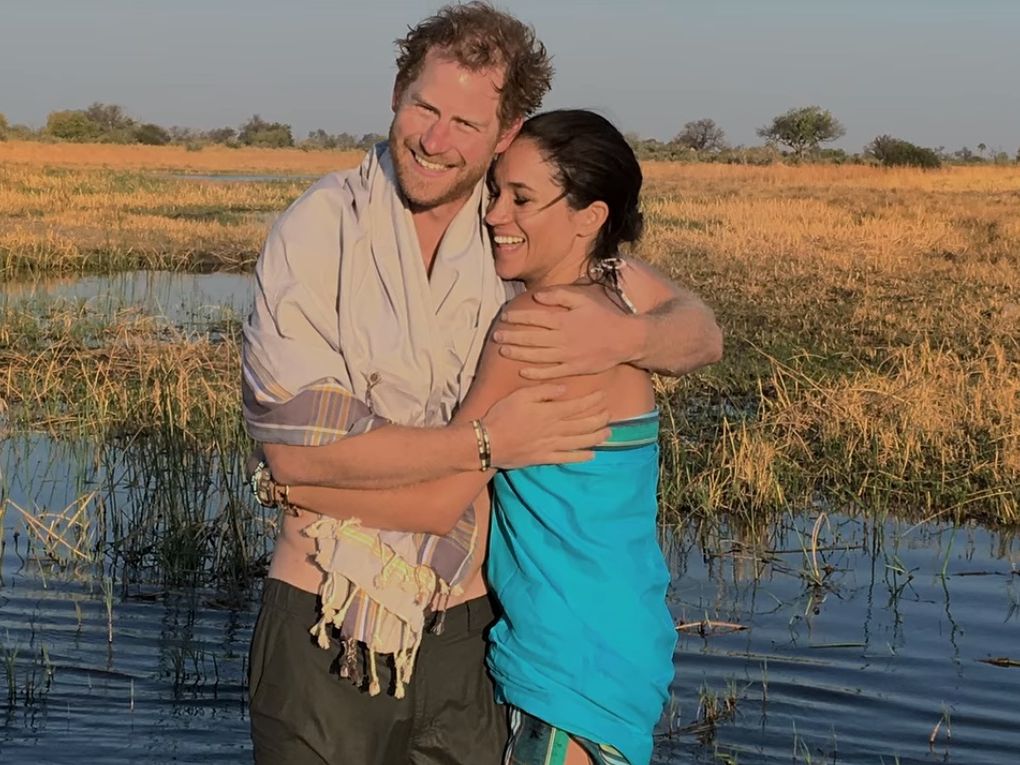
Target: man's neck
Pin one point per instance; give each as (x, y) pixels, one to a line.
(431, 224)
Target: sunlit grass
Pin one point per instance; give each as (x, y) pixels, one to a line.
(872, 321)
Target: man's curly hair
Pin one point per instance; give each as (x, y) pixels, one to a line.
(478, 36)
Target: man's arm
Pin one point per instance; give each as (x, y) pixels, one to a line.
(674, 332)
(314, 430)
(530, 426)
(431, 506)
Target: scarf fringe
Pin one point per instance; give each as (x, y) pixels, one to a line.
(338, 594)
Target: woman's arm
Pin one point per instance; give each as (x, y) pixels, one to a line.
(430, 506)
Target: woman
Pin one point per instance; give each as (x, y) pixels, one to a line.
(583, 651)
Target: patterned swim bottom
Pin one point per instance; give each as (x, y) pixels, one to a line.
(536, 742)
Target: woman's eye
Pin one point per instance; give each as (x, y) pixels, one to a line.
(521, 201)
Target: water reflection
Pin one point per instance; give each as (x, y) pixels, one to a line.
(855, 646)
(858, 664)
(184, 299)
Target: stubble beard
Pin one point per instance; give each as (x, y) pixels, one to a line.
(423, 194)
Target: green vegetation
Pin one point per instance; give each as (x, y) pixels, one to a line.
(803, 130)
(894, 152)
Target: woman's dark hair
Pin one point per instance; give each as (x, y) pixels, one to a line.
(593, 162)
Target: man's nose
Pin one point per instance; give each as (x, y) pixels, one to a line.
(436, 139)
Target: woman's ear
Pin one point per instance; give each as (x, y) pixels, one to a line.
(591, 218)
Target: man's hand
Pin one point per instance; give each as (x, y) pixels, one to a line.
(534, 426)
(587, 338)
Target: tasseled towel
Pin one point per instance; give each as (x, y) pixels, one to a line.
(392, 591)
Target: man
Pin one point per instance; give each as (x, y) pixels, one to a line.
(376, 290)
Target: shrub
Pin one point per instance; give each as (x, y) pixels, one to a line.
(152, 135)
(72, 125)
(893, 152)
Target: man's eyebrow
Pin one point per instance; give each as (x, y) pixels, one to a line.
(480, 124)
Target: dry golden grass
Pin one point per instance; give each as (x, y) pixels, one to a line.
(210, 159)
(872, 316)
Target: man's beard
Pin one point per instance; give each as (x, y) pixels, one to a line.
(423, 193)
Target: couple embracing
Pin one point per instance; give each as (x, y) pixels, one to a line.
(447, 370)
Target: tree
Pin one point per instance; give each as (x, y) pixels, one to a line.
(702, 135)
(152, 135)
(72, 125)
(110, 117)
(893, 152)
(221, 135)
(258, 132)
(368, 140)
(803, 129)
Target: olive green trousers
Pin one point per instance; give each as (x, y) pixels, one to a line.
(303, 713)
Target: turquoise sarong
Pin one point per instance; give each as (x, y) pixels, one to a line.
(585, 641)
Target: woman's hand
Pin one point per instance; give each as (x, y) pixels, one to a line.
(534, 425)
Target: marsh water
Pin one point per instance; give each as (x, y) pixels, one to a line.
(822, 638)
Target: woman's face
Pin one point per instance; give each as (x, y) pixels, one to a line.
(537, 237)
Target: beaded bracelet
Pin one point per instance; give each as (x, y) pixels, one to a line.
(484, 445)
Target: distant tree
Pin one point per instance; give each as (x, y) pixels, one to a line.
(803, 129)
(368, 140)
(965, 155)
(893, 152)
(109, 117)
(221, 135)
(982, 148)
(319, 139)
(72, 125)
(702, 135)
(258, 132)
(180, 134)
(152, 134)
(114, 123)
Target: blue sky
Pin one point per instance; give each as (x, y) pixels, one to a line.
(936, 72)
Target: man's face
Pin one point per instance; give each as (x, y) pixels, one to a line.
(445, 131)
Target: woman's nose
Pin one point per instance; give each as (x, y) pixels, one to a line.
(497, 212)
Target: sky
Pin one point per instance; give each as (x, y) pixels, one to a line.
(935, 72)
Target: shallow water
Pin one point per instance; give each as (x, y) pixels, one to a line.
(861, 668)
(183, 299)
(856, 669)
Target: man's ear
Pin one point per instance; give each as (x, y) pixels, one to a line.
(398, 91)
(591, 218)
(508, 134)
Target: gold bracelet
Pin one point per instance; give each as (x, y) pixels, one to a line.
(484, 449)
(283, 500)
